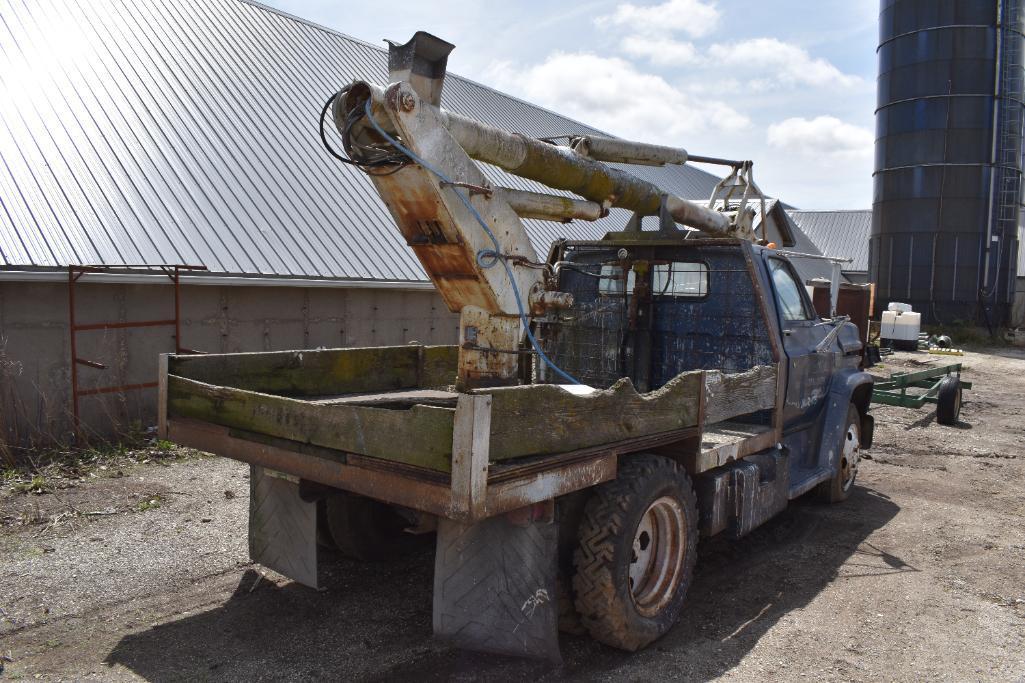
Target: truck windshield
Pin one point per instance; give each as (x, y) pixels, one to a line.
(788, 292)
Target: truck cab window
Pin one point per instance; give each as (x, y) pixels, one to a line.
(680, 279)
(611, 283)
(792, 303)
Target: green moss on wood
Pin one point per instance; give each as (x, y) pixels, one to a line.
(544, 418)
(323, 372)
(419, 436)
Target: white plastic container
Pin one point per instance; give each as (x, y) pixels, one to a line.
(898, 307)
(901, 328)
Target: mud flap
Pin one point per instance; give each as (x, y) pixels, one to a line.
(494, 585)
(282, 526)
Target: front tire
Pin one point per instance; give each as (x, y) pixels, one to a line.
(636, 553)
(838, 488)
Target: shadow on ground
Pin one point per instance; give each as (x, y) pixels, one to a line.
(373, 622)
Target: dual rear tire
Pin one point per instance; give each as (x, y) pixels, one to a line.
(364, 529)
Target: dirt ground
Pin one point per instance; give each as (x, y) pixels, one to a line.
(142, 572)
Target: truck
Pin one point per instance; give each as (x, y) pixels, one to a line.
(603, 409)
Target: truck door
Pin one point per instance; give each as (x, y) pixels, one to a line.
(808, 372)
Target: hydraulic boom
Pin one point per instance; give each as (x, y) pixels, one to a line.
(466, 232)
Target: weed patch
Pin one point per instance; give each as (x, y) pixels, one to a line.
(151, 503)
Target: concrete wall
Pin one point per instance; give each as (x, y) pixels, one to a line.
(35, 371)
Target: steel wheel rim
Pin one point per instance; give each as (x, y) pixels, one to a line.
(657, 555)
(850, 457)
(957, 404)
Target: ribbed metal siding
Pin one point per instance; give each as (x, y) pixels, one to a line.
(934, 138)
(842, 234)
(184, 131)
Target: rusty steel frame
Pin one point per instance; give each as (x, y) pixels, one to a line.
(75, 273)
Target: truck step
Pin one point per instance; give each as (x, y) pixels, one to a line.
(745, 494)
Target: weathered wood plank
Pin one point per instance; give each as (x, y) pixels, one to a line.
(323, 371)
(526, 421)
(739, 393)
(419, 436)
(413, 491)
(544, 418)
(470, 453)
(438, 366)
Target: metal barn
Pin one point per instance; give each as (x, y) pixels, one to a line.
(184, 132)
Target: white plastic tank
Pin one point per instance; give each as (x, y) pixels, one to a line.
(900, 325)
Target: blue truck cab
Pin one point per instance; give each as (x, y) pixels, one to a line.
(650, 305)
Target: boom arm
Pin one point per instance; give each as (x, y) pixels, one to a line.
(467, 234)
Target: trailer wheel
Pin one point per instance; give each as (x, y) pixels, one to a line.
(636, 553)
(365, 529)
(948, 401)
(837, 489)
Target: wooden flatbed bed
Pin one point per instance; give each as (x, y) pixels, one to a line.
(383, 422)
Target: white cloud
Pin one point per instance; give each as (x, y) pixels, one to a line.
(659, 51)
(824, 137)
(779, 63)
(613, 95)
(693, 17)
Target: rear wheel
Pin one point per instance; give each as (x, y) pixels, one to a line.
(365, 529)
(837, 489)
(948, 401)
(636, 553)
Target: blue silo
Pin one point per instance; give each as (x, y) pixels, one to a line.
(948, 166)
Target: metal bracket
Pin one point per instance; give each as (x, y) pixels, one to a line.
(421, 61)
(666, 223)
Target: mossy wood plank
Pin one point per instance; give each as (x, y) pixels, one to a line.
(544, 418)
(419, 436)
(438, 366)
(324, 371)
(739, 393)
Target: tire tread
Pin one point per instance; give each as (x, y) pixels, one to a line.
(605, 521)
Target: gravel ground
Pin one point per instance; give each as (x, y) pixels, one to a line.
(142, 573)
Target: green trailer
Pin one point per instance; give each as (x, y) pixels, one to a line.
(941, 385)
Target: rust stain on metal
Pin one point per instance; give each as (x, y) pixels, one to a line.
(429, 229)
(542, 486)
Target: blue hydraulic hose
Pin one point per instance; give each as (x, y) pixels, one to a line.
(486, 258)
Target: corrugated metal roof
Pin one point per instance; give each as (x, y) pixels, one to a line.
(185, 131)
(838, 233)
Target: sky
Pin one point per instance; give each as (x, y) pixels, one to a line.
(789, 84)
